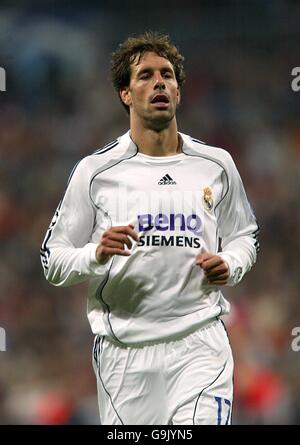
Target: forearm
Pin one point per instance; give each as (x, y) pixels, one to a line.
(240, 255)
(68, 266)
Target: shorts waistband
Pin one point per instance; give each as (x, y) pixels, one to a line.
(168, 340)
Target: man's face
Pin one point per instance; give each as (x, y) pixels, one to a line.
(153, 93)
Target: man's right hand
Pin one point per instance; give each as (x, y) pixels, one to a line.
(113, 242)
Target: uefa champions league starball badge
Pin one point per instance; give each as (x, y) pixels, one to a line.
(207, 198)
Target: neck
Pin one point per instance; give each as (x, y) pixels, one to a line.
(150, 142)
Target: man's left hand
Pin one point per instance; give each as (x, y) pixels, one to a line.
(215, 268)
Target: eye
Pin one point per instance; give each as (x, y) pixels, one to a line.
(144, 76)
(168, 75)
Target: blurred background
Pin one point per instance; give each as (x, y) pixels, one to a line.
(60, 106)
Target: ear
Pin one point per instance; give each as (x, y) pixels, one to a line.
(125, 96)
(178, 96)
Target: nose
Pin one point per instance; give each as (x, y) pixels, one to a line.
(159, 82)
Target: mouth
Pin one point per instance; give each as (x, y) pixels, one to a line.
(160, 100)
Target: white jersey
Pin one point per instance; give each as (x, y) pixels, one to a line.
(181, 206)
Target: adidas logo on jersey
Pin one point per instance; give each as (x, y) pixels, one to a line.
(166, 180)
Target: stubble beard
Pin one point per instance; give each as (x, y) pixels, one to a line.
(160, 122)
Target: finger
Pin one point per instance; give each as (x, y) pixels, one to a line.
(212, 262)
(128, 230)
(218, 282)
(202, 257)
(218, 270)
(131, 232)
(218, 278)
(116, 237)
(223, 276)
(112, 244)
(115, 251)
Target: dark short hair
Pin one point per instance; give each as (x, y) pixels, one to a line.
(134, 47)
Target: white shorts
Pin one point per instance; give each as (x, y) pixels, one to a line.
(183, 382)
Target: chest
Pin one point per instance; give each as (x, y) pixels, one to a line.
(160, 194)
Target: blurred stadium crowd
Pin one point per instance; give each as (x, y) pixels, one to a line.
(59, 106)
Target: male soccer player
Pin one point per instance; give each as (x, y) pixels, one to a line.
(157, 221)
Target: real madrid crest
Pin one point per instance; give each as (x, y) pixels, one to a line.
(207, 198)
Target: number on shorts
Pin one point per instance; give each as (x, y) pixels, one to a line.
(219, 402)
